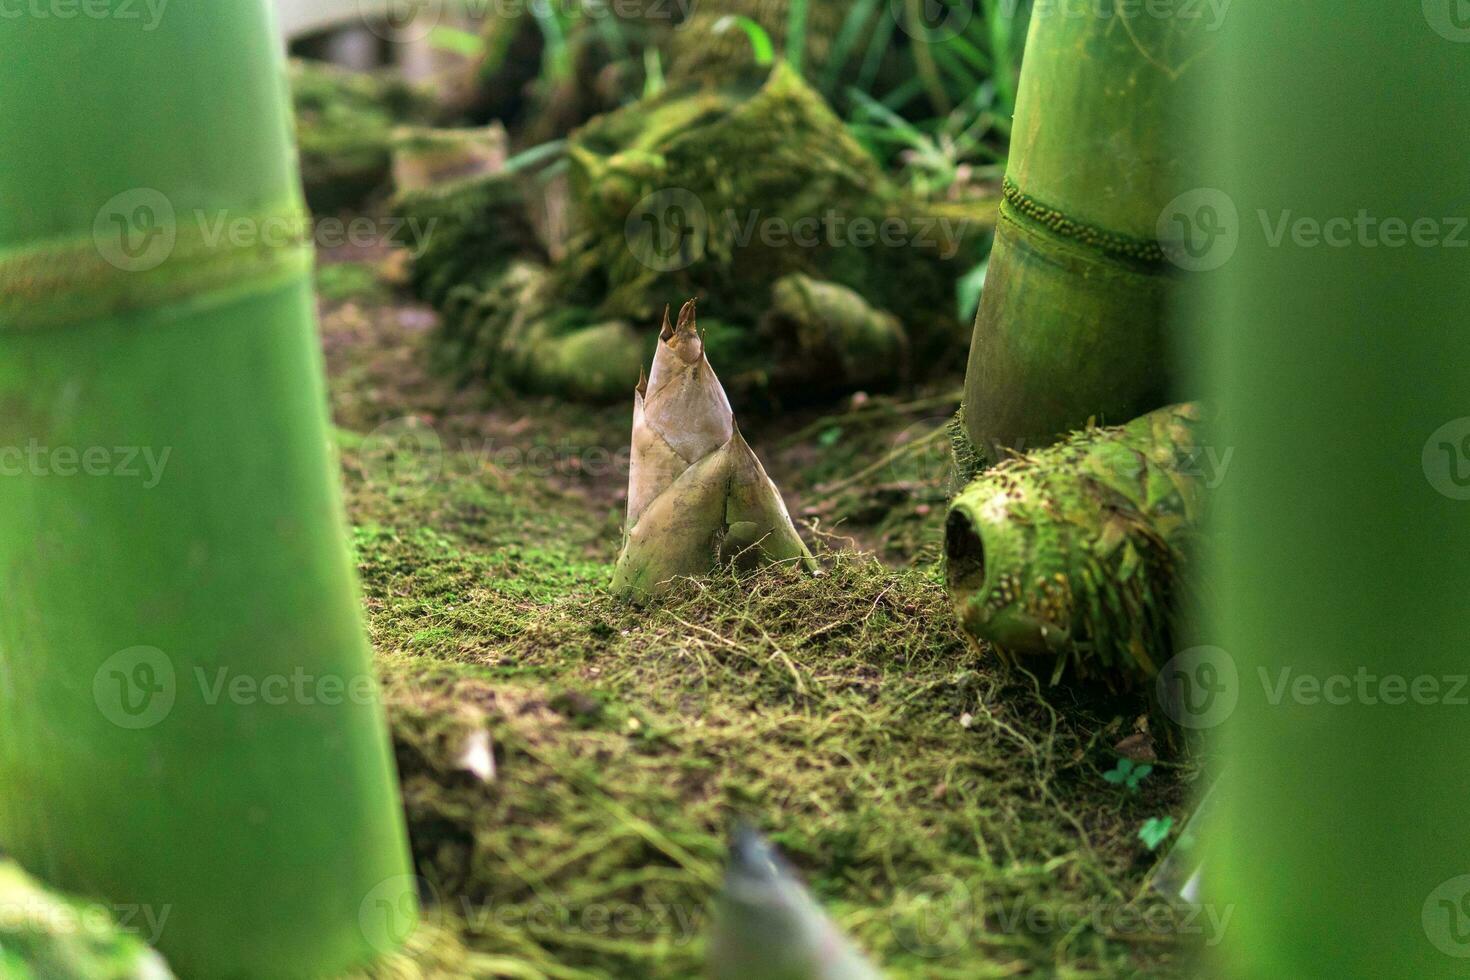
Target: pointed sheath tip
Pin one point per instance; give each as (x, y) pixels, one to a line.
(686, 318)
(642, 387)
(668, 328)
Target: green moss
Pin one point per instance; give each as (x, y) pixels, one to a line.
(344, 130)
(909, 778)
(715, 193)
(340, 282)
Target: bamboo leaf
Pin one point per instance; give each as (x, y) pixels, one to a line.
(760, 39)
(457, 41)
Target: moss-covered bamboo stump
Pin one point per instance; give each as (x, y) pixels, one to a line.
(186, 697)
(1075, 554)
(754, 197)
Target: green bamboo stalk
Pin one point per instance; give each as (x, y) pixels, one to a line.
(1339, 361)
(1074, 554)
(186, 697)
(1071, 324)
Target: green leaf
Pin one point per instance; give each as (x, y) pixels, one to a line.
(760, 40)
(454, 40)
(796, 33)
(1155, 831)
(968, 290)
(1119, 773)
(830, 437)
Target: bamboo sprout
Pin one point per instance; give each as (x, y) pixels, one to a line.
(187, 703)
(1075, 552)
(1071, 323)
(767, 925)
(697, 494)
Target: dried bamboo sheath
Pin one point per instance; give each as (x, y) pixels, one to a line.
(186, 702)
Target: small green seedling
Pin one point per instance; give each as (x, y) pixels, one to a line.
(1155, 831)
(1128, 773)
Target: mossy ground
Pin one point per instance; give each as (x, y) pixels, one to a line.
(951, 816)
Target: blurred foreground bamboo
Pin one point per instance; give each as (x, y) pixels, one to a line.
(768, 926)
(1339, 364)
(188, 713)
